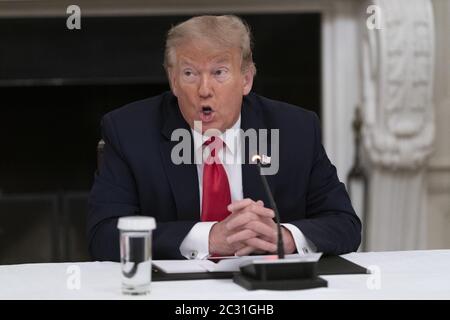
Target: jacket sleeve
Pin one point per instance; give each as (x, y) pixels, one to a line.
(331, 223)
(113, 195)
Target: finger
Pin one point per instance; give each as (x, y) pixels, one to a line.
(238, 246)
(241, 236)
(240, 204)
(240, 220)
(252, 212)
(250, 205)
(268, 221)
(262, 229)
(260, 244)
(261, 211)
(258, 209)
(245, 251)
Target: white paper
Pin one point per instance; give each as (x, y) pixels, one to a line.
(179, 266)
(227, 264)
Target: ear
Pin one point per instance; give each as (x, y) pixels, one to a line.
(172, 81)
(247, 82)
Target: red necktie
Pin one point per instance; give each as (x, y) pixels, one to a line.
(216, 189)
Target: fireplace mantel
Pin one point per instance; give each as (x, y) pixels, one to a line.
(340, 55)
(47, 8)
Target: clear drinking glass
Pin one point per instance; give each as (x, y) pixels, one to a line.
(136, 253)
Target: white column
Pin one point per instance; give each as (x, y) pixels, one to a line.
(398, 68)
(341, 81)
(438, 209)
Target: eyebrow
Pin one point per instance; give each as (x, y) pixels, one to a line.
(184, 61)
(223, 60)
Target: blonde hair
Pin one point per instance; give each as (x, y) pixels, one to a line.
(227, 31)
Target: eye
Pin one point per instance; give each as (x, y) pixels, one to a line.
(189, 75)
(221, 73)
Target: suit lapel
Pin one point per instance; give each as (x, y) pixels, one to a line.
(251, 180)
(183, 178)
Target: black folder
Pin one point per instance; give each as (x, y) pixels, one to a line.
(327, 265)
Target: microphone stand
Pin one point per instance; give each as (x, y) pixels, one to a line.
(281, 273)
(280, 244)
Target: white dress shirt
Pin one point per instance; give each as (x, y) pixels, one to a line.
(196, 243)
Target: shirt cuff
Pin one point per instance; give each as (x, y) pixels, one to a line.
(303, 245)
(196, 244)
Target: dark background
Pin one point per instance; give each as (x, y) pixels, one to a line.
(55, 85)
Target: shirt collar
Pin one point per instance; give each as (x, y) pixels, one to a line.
(230, 137)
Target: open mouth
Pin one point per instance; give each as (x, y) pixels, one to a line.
(207, 113)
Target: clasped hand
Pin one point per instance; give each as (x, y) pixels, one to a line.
(249, 229)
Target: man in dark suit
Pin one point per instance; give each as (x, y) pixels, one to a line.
(216, 207)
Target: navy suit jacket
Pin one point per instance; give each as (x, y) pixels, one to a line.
(137, 176)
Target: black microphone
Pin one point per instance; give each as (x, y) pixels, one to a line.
(291, 273)
(280, 243)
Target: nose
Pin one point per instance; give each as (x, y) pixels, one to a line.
(205, 89)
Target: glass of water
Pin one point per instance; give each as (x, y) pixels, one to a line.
(136, 253)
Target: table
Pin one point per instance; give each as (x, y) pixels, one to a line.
(396, 275)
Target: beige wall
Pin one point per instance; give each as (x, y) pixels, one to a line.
(439, 168)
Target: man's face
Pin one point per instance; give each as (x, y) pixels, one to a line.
(209, 84)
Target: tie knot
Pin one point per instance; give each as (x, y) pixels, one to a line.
(215, 144)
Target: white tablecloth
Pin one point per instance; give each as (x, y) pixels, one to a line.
(397, 275)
